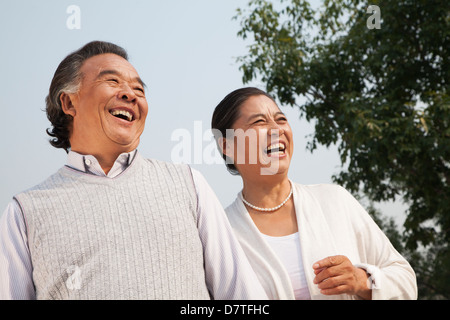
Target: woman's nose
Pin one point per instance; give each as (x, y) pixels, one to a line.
(275, 129)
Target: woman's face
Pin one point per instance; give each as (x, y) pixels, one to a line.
(262, 142)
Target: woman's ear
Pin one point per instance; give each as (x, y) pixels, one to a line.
(227, 148)
(67, 105)
(224, 146)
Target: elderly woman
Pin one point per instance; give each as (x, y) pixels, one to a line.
(303, 241)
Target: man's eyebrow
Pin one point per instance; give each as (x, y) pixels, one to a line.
(117, 73)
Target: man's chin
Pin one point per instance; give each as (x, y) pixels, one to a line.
(124, 144)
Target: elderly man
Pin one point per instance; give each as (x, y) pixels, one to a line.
(111, 224)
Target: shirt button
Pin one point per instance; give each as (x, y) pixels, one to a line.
(88, 162)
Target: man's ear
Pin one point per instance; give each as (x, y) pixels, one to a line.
(67, 105)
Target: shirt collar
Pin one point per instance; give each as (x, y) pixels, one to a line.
(89, 164)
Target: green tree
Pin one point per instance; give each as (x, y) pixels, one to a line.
(381, 95)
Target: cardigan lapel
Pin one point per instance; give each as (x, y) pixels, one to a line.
(316, 243)
(316, 239)
(272, 273)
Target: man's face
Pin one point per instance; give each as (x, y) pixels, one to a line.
(110, 108)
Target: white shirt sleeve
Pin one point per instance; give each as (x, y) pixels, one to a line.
(229, 275)
(16, 279)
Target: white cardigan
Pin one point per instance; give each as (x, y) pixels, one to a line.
(330, 222)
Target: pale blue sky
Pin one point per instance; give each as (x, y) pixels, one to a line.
(185, 51)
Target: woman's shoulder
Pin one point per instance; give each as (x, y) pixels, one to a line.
(233, 208)
(331, 197)
(323, 189)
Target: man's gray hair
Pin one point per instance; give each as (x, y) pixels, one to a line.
(67, 79)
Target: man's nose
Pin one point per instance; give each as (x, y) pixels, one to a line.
(127, 94)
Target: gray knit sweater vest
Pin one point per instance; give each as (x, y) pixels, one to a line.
(134, 236)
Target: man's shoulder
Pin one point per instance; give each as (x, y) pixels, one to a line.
(167, 168)
(45, 188)
(50, 182)
(161, 164)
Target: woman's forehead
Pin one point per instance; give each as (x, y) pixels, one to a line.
(259, 104)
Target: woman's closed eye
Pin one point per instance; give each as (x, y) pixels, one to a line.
(259, 121)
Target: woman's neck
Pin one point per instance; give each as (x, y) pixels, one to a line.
(267, 191)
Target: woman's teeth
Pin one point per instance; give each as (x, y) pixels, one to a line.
(276, 147)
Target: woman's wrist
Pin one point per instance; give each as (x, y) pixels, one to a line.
(363, 291)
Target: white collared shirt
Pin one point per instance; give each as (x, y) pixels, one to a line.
(89, 164)
(227, 270)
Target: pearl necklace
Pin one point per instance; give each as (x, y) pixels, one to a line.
(267, 209)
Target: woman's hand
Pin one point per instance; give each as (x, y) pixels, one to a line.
(337, 275)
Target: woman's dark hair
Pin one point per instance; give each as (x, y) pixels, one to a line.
(67, 79)
(227, 112)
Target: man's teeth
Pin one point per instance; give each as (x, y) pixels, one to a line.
(123, 113)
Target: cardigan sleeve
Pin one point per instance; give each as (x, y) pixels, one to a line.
(390, 275)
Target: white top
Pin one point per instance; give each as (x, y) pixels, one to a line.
(224, 261)
(330, 222)
(288, 250)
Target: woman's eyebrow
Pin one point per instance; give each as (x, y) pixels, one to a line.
(257, 115)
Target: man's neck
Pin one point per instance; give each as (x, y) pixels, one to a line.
(105, 159)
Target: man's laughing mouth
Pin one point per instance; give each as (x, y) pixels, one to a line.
(122, 114)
